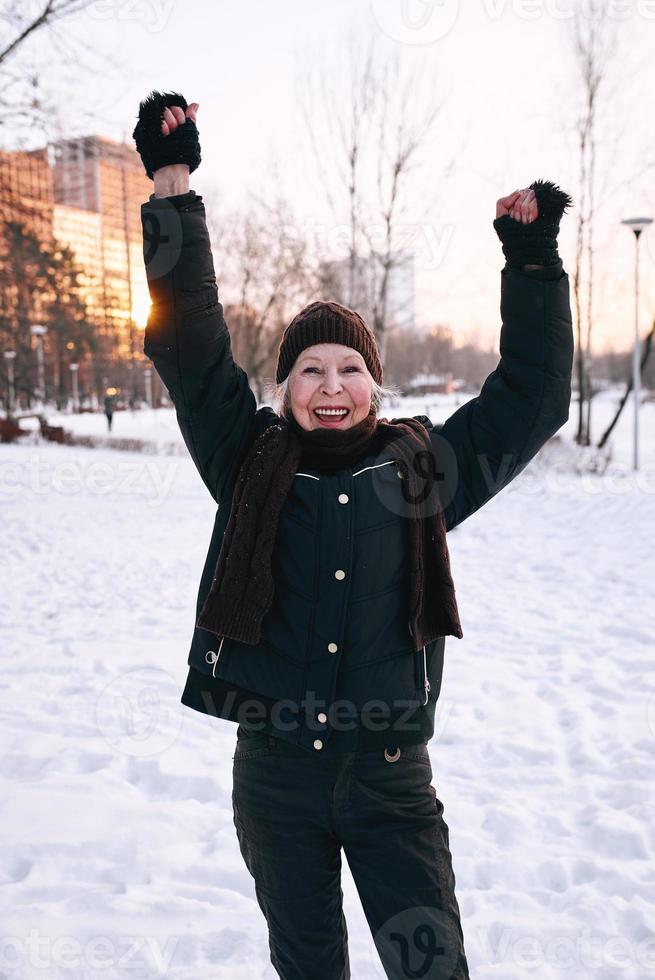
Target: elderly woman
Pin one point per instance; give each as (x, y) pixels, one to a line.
(327, 594)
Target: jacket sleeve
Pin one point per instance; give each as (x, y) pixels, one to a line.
(490, 439)
(187, 339)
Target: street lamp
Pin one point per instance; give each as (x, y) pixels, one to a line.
(39, 331)
(9, 358)
(73, 370)
(147, 373)
(637, 225)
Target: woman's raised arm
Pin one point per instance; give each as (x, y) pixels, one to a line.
(525, 400)
(186, 336)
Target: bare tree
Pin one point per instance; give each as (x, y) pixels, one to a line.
(594, 46)
(41, 63)
(403, 130)
(41, 282)
(22, 19)
(645, 356)
(346, 118)
(367, 136)
(262, 265)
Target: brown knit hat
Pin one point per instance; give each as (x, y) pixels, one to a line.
(325, 322)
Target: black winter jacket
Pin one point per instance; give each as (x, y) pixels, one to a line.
(336, 667)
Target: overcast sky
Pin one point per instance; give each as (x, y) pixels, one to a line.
(506, 70)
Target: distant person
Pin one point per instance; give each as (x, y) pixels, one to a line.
(110, 404)
(329, 587)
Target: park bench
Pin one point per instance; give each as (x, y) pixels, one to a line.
(53, 433)
(11, 430)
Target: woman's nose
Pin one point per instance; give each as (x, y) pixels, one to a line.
(331, 382)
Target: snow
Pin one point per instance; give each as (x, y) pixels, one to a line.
(159, 426)
(118, 856)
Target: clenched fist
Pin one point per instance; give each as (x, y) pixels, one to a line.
(520, 205)
(166, 133)
(175, 116)
(527, 223)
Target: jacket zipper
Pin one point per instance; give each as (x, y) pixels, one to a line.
(426, 682)
(214, 656)
(220, 647)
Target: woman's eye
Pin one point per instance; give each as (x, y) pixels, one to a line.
(352, 367)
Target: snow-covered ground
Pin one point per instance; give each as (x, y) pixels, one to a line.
(159, 426)
(118, 855)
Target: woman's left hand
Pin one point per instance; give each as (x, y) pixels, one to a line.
(520, 205)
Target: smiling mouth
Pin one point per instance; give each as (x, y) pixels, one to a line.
(332, 416)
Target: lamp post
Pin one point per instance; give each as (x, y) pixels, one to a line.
(637, 225)
(73, 370)
(39, 331)
(147, 373)
(9, 356)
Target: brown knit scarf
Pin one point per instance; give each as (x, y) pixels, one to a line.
(242, 589)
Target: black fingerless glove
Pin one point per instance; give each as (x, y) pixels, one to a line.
(536, 242)
(157, 150)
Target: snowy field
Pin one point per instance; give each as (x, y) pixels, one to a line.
(160, 428)
(118, 855)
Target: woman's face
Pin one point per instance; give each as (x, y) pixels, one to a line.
(328, 376)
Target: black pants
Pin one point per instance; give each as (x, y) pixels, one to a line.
(294, 811)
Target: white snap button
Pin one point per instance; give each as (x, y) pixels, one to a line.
(211, 656)
(400, 473)
(332, 647)
(322, 717)
(339, 573)
(318, 744)
(343, 498)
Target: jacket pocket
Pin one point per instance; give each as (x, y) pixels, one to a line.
(251, 743)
